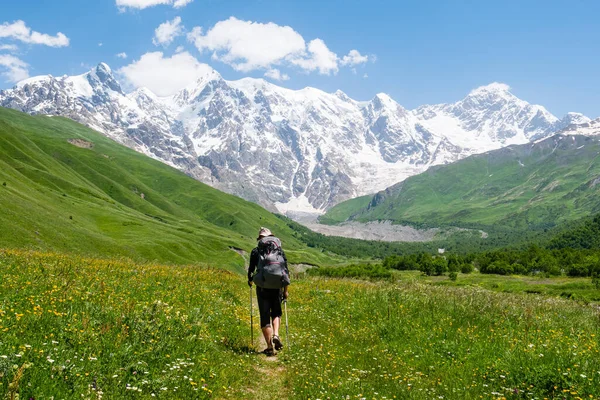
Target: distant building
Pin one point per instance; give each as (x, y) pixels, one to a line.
(441, 251)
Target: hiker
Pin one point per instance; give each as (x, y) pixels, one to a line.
(272, 279)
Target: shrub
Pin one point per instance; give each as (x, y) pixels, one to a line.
(519, 268)
(440, 265)
(596, 280)
(466, 268)
(578, 270)
(500, 267)
(453, 263)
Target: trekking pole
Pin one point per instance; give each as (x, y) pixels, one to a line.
(287, 332)
(251, 321)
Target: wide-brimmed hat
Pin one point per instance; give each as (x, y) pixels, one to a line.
(263, 232)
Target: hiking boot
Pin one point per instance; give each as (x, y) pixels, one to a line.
(277, 342)
(269, 352)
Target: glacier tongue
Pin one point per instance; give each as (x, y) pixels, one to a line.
(288, 150)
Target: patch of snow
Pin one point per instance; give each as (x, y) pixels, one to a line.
(33, 81)
(298, 204)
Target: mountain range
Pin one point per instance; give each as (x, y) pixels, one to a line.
(288, 150)
(531, 186)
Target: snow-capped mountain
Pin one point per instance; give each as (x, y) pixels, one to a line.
(586, 128)
(296, 150)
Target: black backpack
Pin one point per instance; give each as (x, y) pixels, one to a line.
(272, 272)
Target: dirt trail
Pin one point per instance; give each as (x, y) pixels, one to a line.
(270, 371)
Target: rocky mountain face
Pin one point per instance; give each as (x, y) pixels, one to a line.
(287, 150)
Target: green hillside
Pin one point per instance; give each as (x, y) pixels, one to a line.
(344, 211)
(65, 187)
(533, 186)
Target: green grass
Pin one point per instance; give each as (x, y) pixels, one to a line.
(413, 340)
(58, 196)
(85, 326)
(568, 287)
(521, 187)
(72, 327)
(344, 211)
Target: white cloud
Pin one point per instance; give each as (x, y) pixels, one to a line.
(248, 46)
(13, 69)
(9, 47)
(320, 58)
(181, 3)
(167, 32)
(122, 55)
(276, 74)
(100, 44)
(141, 4)
(366, 76)
(179, 49)
(162, 75)
(20, 31)
(354, 58)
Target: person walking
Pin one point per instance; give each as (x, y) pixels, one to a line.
(272, 279)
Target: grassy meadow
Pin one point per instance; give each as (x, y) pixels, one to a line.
(67, 188)
(74, 327)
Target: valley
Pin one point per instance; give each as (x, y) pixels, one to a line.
(122, 277)
(383, 231)
(525, 187)
(304, 200)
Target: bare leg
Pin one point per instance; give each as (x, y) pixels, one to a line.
(268, 334)
(276, 323)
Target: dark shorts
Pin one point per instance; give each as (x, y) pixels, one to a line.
(269, 305)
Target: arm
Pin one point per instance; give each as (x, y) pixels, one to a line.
(284, 293)
(252, 265)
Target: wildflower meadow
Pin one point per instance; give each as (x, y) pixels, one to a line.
(73, 327)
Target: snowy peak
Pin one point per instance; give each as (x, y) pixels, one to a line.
(493, 89)
(102, 76)
(588, 128)
(495, 95)
(382, 100)
(574, 118)
(207, 79)
(489, 117)
(33, 81)
(98, 80)
(342, 96)
(103, 68)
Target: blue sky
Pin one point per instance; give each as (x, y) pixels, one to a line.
(421, 52)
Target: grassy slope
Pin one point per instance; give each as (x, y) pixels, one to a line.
(344, 211)
(55, 195)
(521, 187)
(84, 326)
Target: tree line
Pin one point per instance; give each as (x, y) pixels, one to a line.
(573, 251)
(534, 260)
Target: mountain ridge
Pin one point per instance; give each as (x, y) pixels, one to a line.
(288, 150)
(528, 186)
